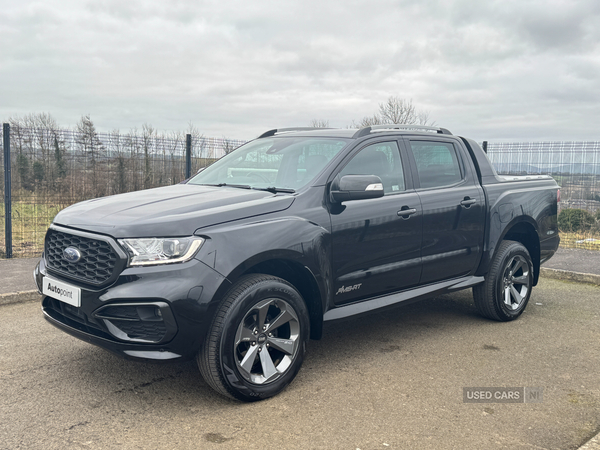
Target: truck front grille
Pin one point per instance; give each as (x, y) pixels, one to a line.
(95, 267)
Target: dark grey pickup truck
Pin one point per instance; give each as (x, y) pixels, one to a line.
(241, 264)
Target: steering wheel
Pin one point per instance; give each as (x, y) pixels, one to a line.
(259, 176)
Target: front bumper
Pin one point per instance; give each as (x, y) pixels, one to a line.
(151, 313)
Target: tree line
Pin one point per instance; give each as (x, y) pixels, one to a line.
(82, 163)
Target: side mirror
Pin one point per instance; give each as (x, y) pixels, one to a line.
(356, 187)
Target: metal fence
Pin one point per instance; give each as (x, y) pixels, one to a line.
(52, 169)
(574, 165)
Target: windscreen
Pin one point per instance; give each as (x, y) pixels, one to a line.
(280, 162)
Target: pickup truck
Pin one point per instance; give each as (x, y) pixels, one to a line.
(241, 264)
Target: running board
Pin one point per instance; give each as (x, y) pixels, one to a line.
(399, 297)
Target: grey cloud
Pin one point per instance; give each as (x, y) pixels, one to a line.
(559, 29)
(235, 67)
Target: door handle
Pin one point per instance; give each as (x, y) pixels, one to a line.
(406, 213)
(468, 202)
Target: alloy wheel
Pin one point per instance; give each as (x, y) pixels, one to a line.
(266, 341)
(516, 282)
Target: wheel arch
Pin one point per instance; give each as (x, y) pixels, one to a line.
(525, 232)
(287, 266)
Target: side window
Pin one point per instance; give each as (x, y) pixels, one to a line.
(381, 159)
(437, 163)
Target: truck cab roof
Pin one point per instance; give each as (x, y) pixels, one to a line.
(355, 133)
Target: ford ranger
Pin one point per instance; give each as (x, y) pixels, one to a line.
(241, 264)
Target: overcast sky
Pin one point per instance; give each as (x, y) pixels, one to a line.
(497, 70)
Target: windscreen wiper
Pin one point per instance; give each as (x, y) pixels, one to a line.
(275, 190)
(241, 186)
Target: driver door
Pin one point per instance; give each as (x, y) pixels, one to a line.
(377, 242)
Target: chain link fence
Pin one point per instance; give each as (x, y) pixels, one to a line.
(52, 169)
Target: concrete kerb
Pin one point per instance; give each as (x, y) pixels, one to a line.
(20, 297)
(592, 444)
(567, 275)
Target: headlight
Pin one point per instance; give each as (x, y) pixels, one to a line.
(151, 251)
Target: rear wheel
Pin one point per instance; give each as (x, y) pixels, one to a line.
(257, 340)
(507, 287)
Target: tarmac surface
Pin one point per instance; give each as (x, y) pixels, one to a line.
(17, 275)
(385, 380)
(575, 260)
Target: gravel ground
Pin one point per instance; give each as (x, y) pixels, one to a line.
(389, 380)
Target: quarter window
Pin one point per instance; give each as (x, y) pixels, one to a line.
(437, 163)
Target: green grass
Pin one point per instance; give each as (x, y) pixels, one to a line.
(588, 240)
(30, 220)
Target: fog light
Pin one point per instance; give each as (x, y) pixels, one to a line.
(149, 313)
(149, 322)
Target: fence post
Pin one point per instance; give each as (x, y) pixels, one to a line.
(7, 193)
(188, 156)
(485, 146)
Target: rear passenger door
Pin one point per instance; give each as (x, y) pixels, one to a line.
(453, 208)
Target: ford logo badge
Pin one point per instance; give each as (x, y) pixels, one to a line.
(71, 254)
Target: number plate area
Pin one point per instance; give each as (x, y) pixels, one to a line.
(62, 291)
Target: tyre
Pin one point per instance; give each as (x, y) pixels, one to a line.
(507, 287)
(257, 340)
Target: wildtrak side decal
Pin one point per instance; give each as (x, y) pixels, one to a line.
(345, 290)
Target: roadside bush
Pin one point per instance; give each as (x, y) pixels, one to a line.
(574, 220)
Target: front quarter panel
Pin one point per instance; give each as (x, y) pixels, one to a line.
(234, 249)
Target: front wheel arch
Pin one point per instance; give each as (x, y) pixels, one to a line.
(304, 280)
(257, 339)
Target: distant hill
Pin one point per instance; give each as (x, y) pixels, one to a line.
(563, 169)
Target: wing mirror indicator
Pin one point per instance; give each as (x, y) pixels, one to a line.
(355, 187)
(374, 187)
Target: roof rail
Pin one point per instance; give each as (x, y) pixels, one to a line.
(398, 126)
(288, 130)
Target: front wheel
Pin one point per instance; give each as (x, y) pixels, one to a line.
(257, 340)
(507, 287)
